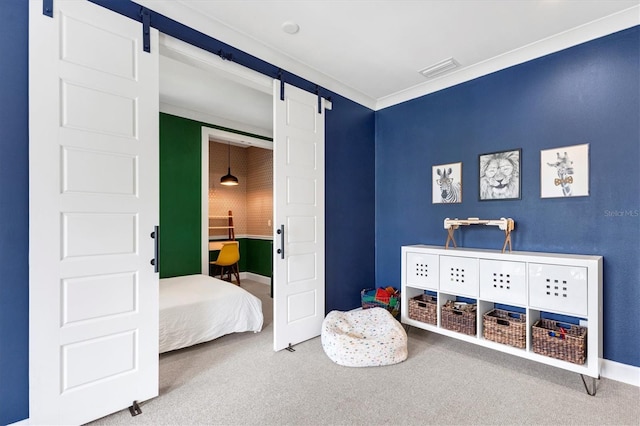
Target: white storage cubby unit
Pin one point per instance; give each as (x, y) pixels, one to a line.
(569, 285)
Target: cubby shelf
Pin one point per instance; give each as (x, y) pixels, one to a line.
(534, 283)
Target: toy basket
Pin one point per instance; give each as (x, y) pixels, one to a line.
(460, 319)
(381, 298)
(508, 328)
(424, 308)
(567, 342)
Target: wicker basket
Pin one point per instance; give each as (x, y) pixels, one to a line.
(567, 342)
(391, 304)
(462, 320)
(423, 308)
(508, 328)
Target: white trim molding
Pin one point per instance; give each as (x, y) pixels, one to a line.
(620, 372)
(602, 27)
(255, 277)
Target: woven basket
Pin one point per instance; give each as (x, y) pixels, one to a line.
(567, 342)
(423, 308)
(508, 328)
(368, 298)
(460, 320)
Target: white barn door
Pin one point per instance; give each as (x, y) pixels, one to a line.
(298, 176)
(93, 191)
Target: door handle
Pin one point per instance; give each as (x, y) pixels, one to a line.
(280, 251)
(156, 245)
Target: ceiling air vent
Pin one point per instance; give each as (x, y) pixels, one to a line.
(439, 68)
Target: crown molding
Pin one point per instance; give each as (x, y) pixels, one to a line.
(602, 27)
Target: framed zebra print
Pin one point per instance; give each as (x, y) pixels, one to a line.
(500, 175)
(446, 183)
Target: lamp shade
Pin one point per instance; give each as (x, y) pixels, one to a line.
(229, 179)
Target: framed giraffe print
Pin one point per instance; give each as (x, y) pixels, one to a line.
(564, 172)
(446, 183)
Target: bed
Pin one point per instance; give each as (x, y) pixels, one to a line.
(199, 308)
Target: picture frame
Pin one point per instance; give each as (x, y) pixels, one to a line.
(499, 175)
(446, 183)
(564, 172)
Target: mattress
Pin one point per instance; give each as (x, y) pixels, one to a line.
(199, 308)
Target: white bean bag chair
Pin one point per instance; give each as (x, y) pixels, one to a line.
(363, 338)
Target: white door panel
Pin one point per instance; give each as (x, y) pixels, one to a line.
(114, 173)
(299, 206)
(93, 183)
(88, 298)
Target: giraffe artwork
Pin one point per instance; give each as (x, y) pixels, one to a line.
(564, 172)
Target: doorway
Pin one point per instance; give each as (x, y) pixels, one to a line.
(248, 206)
(251, 201)
(232, 108)
(298, 197)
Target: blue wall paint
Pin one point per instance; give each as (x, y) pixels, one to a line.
(349, 203)
(587, 94)
(349, 189)
(14, 211)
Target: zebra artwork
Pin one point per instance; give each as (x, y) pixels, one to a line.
(450, 192)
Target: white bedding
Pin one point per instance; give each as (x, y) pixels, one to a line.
(199, 308)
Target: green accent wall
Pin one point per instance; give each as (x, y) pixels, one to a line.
(180, 196)
(259, 257)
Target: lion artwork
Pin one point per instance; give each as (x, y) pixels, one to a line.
(500, 175)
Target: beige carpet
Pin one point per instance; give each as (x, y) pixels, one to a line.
(239, 380)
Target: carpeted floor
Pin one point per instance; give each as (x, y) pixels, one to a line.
(239, 380)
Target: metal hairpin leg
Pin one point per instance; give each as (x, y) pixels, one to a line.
(595, 388)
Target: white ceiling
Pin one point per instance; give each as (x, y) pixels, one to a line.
(371, 51)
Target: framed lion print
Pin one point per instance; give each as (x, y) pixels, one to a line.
(500, 175)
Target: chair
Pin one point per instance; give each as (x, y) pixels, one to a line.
(227, 261)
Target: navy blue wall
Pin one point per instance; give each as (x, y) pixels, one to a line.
(587, 94)
(14, 211)
(349, 206)
(349, 203)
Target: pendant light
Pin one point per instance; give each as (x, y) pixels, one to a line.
(229, 179)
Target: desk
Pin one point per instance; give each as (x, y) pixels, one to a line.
(217, 245)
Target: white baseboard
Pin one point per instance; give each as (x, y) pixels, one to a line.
(620, 372)
(255, 277)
